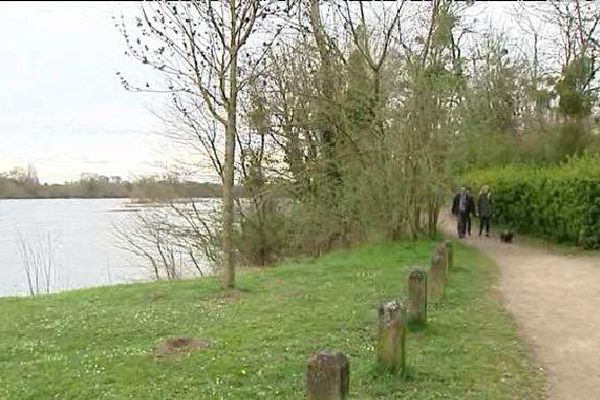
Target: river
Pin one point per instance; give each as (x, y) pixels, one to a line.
(78, 234)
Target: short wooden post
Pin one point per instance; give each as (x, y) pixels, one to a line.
(442, 251)
(417, 297)
(437, 278)
(392, 336)
(449, 254)
(328, 376)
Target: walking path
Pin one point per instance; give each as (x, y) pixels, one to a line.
(555, 300)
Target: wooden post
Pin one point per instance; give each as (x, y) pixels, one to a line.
(442, 251)
(417, 297)
(328, 376)
(449, 254)
(392, 335)
(437, 278)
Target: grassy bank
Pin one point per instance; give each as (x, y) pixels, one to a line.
(97, 344)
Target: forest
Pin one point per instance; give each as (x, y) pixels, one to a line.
(365, 116)
(21, 183)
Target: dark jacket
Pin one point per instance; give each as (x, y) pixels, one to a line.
(484, 205)
(470, 204)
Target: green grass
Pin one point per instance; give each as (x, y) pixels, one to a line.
(97, 343)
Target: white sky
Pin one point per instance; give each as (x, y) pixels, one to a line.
(62, 107)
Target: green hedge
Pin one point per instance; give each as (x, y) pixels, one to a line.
(561, 203)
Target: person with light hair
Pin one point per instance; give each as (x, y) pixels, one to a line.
(484, 209)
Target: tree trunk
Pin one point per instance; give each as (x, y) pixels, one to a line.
(327, 111)
(229, 165)
(227, 222)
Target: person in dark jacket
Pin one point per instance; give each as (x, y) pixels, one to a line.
(462, 207)
(484, 210)
(472, 210)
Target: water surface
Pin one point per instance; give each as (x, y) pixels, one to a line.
(84, 245)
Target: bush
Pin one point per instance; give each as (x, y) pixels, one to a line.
(561, 203)
(260, 238)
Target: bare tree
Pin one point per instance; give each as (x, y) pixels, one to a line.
(38, 259)
(198, 46)
(171, 240)
(575, 34)
(373, 48)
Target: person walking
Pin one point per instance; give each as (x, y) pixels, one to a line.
(471, 210)
(484, 210)
(460, 209)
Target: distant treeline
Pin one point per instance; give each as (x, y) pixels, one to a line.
(24, 184)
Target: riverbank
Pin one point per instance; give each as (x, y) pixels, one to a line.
(98, 343)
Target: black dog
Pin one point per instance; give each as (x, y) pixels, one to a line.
(506, 236)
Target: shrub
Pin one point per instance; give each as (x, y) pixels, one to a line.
(561, 203)
(260, 238)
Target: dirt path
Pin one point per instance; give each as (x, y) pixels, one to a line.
(555, 300)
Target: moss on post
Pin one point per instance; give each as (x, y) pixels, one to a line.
(437, 278)
(417, 297)
(442, 251)
(392, 336)
(449, 254)
(328, 376)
